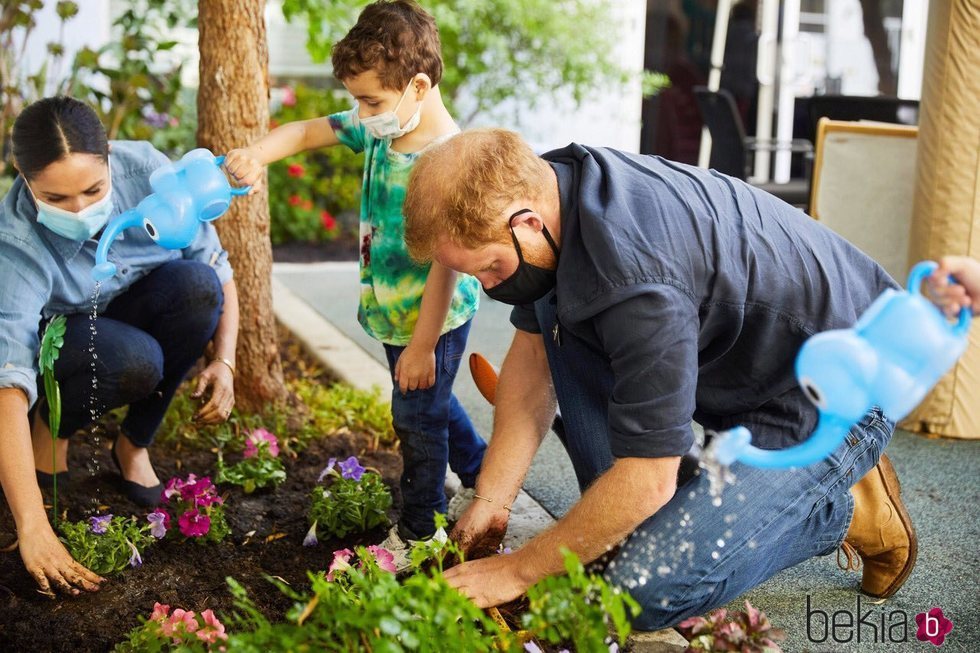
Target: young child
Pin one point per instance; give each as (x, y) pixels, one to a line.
(391, 63)
(964, 290)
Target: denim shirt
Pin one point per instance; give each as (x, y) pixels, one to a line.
(698, 290)
(43, 274)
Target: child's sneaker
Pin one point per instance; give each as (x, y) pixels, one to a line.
(459, 503)
(400, 548)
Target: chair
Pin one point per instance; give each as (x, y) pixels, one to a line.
(855, 107)
(730, 147)
(863, 187)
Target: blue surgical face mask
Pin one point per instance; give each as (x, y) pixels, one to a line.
(386, 125)
(80, 225)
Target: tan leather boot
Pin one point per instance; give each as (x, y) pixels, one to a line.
(881, 535)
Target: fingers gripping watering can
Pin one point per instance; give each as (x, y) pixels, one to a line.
(895, 353)
(185, 194)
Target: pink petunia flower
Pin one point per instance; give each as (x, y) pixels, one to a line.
(295, 170)
(328, 221)
(198, 488)
(288, 96)
(194, 524)
(160, 611)
(256, 438)
(341, 562)
(213, 629)
(384, 557)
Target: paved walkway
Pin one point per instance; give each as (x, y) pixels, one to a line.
(940, 486)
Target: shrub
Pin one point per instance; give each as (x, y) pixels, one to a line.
(308, 192)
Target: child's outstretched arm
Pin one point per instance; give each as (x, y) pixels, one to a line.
(963, 291)
(246, 163)
(416, 367)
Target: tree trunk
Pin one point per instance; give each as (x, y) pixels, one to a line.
(233, 111)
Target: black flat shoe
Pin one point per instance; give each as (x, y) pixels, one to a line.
(146, 497)
(46, 480)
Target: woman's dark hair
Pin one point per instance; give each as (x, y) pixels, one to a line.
(51, 129)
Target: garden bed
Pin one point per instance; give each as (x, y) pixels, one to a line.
(267, 531)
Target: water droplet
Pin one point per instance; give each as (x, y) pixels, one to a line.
(664, 602)
(691, 494)
(721, 542)
(751, 544)
(714, 555)
(716, 502)
(663, 570)
(728, 534)
(642, 581)
(741, 497)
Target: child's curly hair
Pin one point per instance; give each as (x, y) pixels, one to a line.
(395, 38)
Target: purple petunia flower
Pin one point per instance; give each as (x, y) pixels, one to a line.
(134, 560)
(350, 468)
(99, 523)
(159, 523)
(326, 470)
(310, 539)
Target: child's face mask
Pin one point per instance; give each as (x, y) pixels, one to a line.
(386, 125)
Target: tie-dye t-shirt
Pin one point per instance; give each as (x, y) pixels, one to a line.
(391, 282)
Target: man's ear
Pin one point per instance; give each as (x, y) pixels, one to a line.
(421, 84)
(529, 219)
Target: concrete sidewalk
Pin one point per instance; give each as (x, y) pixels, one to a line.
(940, 486)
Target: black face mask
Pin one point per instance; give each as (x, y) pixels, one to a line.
(529, 283)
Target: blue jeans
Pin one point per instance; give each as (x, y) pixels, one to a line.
(434, 431)
(692, 555)
(147, 340)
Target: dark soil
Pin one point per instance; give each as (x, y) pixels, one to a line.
(267, 532)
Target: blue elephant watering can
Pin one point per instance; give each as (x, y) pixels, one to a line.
(898, 350)
(185, 195)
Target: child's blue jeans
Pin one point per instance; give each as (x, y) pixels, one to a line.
(434, 431)
(147, 340)
(692, 555)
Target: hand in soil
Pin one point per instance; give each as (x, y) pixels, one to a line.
(217, 378)
(47, 560)
(480, 529)
(490, 581)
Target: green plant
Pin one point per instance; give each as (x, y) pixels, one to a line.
(332, 409)
(580, 608)
(17, 88)
(722, 630)
(182, 631)
(107, 544)
(51, 343)
(341, 406)
(355, 502)
(261, 466)
(496, 50)
(309, 190)
(139, 88)
(371, 611)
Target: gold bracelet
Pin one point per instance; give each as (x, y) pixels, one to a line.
(489, 500)
(219, 359)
